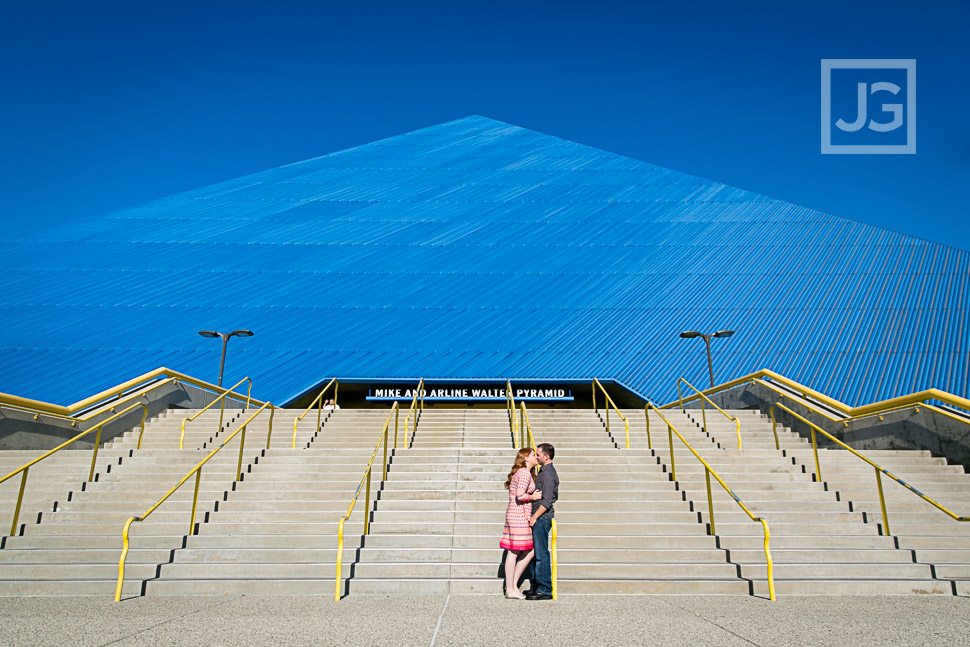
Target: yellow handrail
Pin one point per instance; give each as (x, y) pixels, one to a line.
(609, 402)
(553, 531)
(527, 427)
(516, 430)
(706, 399)
(73, 419)
(708, 472)
(353, 502)
(94, 457)
(319, 402)
(878, 469)
(413, 408)
(197, 470)
(81, 405)
(222, 407)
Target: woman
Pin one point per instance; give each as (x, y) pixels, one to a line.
(517, 538)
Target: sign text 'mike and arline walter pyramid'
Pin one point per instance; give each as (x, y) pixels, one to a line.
(478, 249)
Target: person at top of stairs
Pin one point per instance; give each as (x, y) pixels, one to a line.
(517, 536)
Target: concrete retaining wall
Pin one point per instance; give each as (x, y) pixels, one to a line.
(25, 430)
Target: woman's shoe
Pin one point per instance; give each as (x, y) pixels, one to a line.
(517, 596)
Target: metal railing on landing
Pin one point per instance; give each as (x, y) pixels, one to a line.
(609, 403)
(104, 398)
(918, 399)
(553, 530)
(704, 402)
(222, 407)
(879, 470)
(366, 478)
(197, 470)
(25, 470)
(708, 472)
(318, 401)
(844, 421)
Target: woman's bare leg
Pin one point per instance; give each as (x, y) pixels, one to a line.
(520, 566)
(510, 568)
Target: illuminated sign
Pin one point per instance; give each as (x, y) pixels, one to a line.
(471, 393)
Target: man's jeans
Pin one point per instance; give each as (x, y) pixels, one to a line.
(540, 568)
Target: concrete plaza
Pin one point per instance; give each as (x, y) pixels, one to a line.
(479, 620)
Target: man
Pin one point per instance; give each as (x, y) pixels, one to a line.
(543, 512)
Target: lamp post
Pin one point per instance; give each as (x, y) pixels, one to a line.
(690, 334)
(225, 341)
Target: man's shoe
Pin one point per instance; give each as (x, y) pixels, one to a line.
(538, 596)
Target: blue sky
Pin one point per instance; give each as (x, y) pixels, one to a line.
(106, 105)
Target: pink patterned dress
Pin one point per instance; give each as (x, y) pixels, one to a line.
(518, 533)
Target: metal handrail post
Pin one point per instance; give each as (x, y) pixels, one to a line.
(269, 434)
(94, 454)
(818, 468)
(222, 411)
(195, 502)
(882, 502)
(670, 443)
(555, 560)
(20, 500)
(774, 428)
(646, 414)
(242, 446)
(384, 477)
(367, 503)
(710, 498)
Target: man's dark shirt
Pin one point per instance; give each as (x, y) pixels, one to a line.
(548, 483)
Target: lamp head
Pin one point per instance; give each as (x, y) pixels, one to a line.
(208, 333)
(724, 333)
(241, 333)
(690, 334)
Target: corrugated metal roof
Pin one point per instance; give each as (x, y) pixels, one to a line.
(479, 249)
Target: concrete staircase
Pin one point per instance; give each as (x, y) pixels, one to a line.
(624, 525)
(276, 531)
(70, 538)
(826, 535)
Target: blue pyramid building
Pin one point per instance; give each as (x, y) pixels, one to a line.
(478, 249)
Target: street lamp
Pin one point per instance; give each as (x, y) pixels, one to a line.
(225, 340)
(690, 334)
